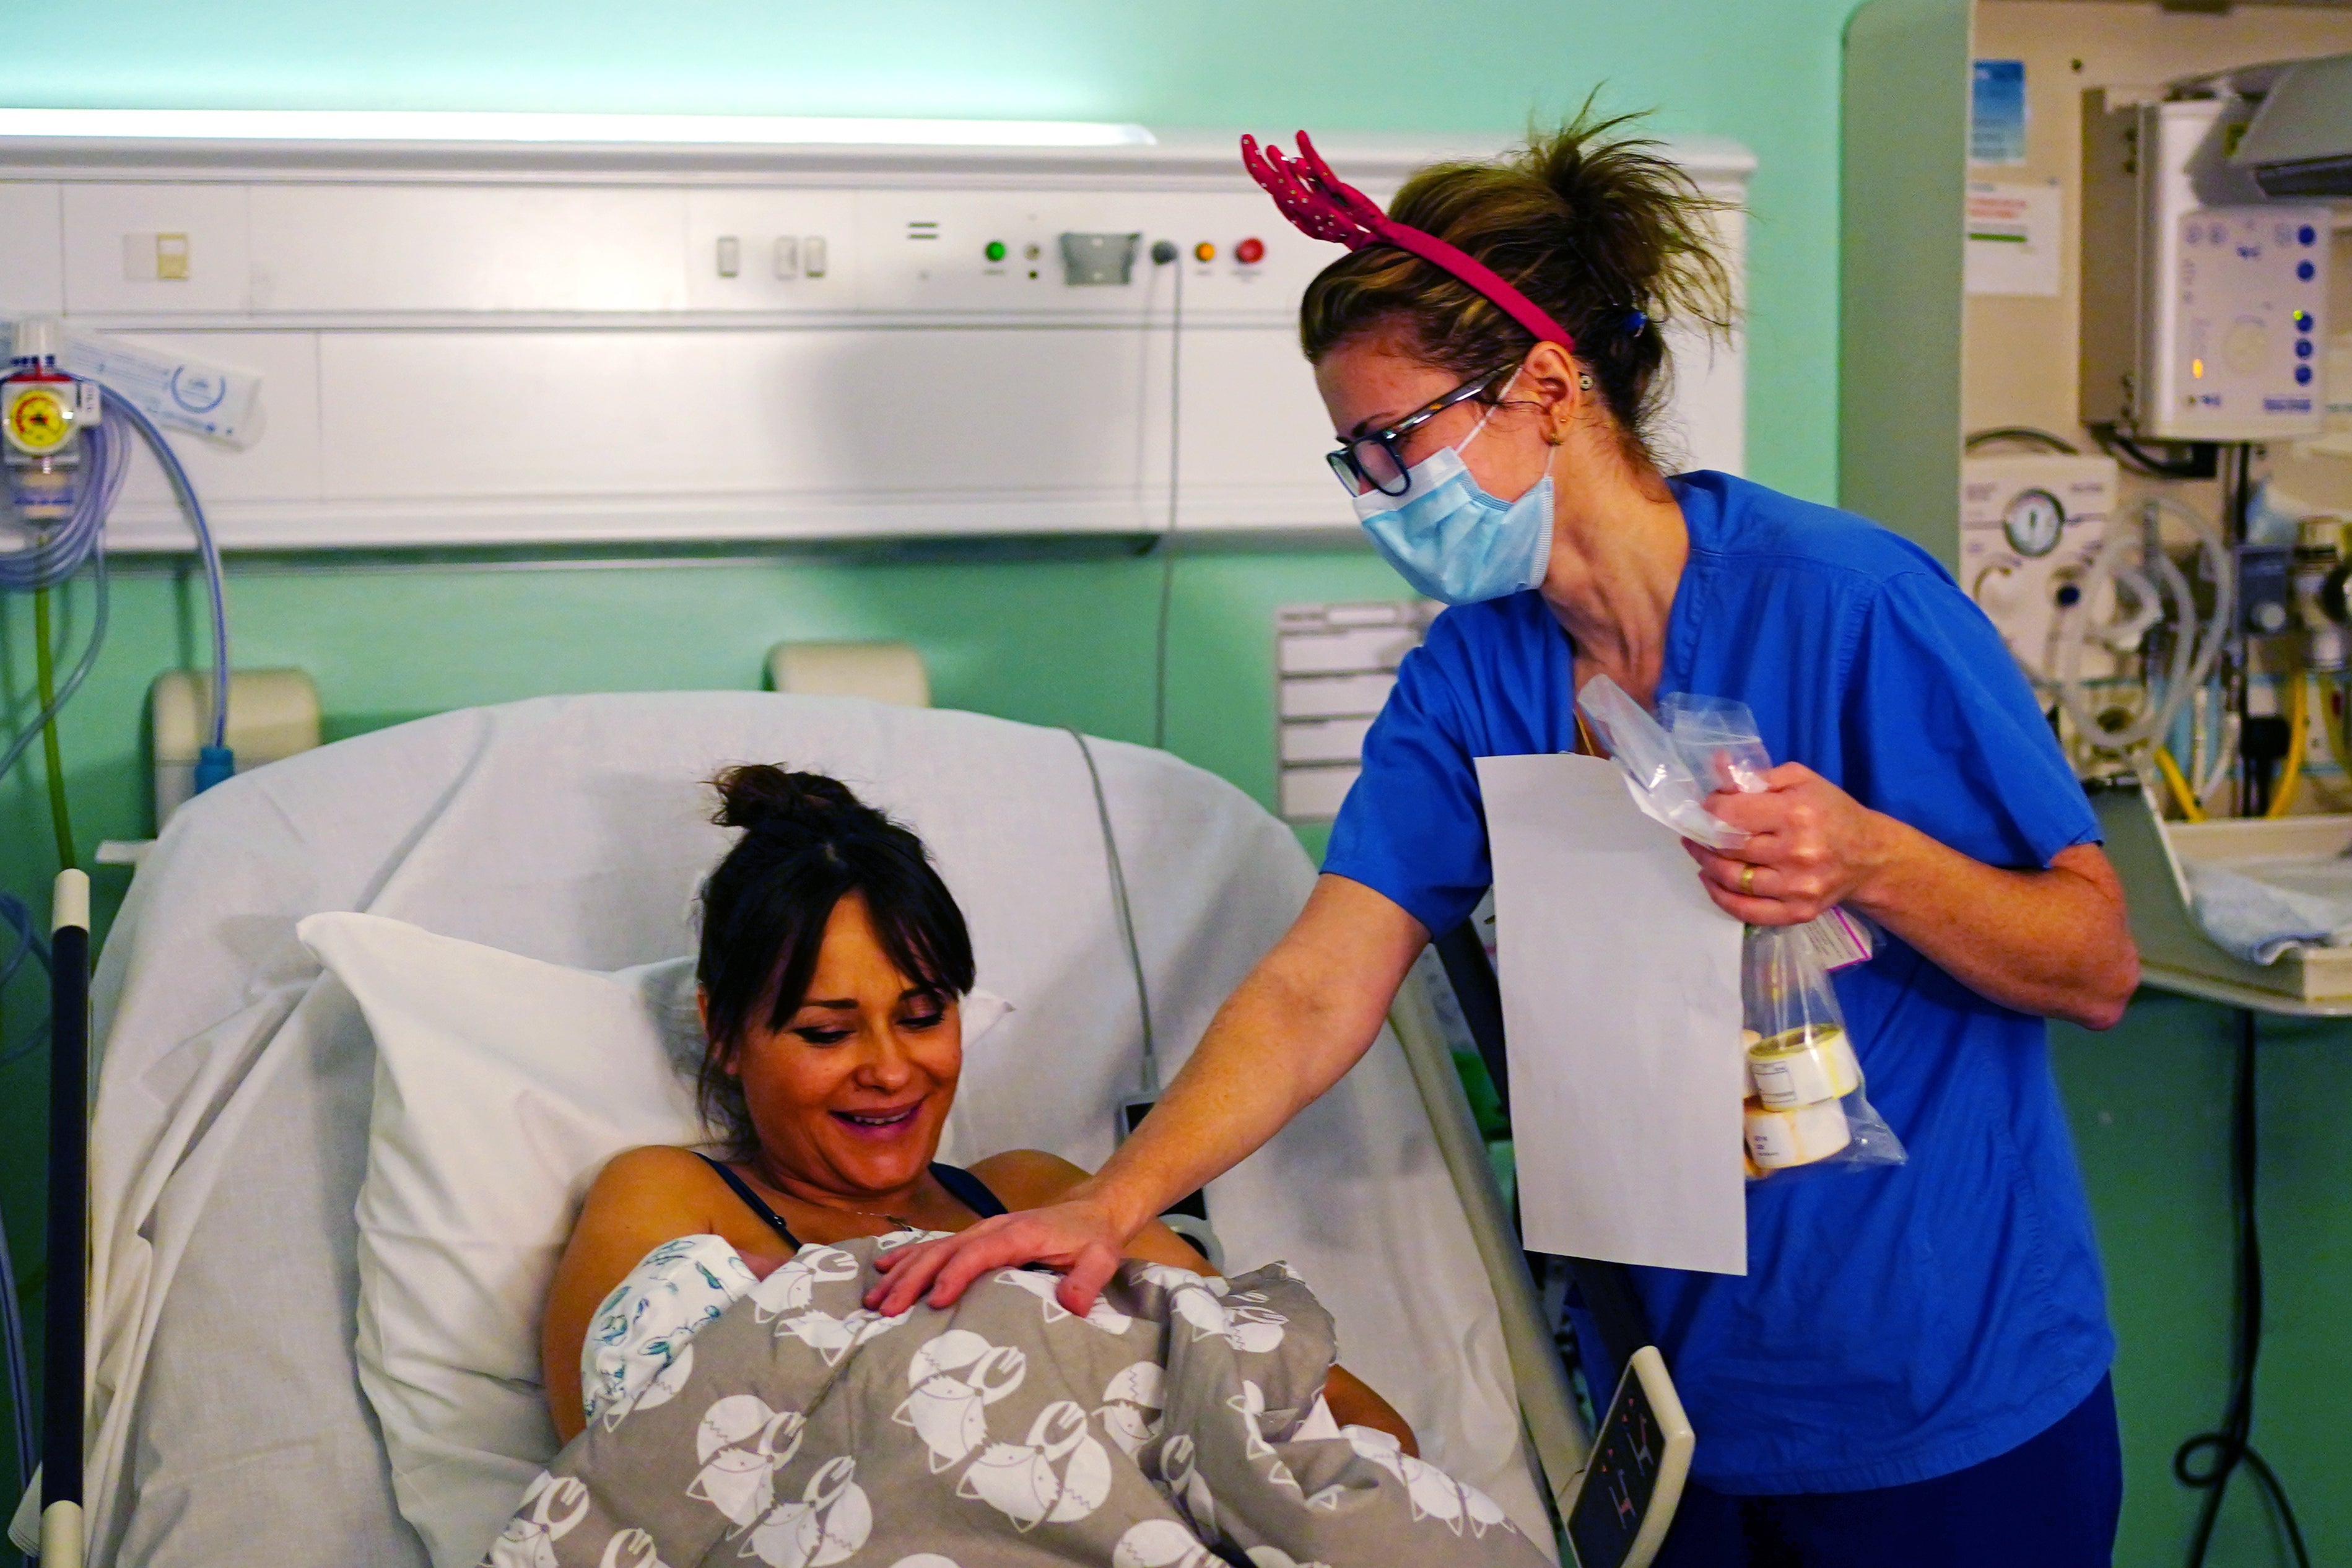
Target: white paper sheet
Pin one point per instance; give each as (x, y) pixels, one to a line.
(1621, 1009)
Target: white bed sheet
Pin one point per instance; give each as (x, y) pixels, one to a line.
(232, 1092)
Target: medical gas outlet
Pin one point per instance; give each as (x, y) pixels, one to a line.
(1097, 260)
(43, 412)
(2030, 525)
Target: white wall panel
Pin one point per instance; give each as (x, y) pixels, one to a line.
(663, 415)
(1705, 426)
(32, 248)
(1254, 433)
(400, 247)
(98, 218)
(282, 464)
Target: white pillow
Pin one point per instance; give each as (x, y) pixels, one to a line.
(502, 1086)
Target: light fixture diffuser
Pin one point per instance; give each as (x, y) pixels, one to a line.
(600, 129)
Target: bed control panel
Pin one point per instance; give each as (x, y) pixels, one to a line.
(1626, 1498)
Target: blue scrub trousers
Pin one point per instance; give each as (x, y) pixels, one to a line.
(2050, 1502)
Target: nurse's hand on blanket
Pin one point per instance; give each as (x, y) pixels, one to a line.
(2049, 939)
(1077, 1240)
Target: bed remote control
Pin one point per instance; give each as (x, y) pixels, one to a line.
(1626, 1495)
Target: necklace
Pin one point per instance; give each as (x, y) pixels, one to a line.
(902, 1222)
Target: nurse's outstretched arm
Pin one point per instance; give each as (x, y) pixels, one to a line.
(1306, 1014)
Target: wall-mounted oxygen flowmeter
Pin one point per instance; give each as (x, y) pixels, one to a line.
(2030, 525)
(2203, 306)
(43, 413)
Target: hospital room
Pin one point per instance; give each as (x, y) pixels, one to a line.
(1542, 783)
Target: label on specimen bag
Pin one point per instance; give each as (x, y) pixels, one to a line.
(1803, 1068)
(1783, 1140)
(1621, 983)
(1837, 939)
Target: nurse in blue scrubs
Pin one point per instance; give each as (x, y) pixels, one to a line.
(1914, 1369)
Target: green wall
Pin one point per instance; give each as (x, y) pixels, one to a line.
(1069, 640)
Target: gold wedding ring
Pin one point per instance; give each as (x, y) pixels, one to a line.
(1747, 879)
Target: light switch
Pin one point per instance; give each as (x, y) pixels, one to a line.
(155, 258)
(730, 256)
(788, 257)
(813, 256)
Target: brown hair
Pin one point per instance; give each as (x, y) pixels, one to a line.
(1602, 231)
(808, 842)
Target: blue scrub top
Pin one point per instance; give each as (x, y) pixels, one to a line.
(1895, 1325)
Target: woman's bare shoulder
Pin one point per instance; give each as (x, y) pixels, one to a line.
(1028, 1178)
(652, 1176)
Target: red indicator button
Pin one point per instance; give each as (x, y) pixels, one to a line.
(1250, 252)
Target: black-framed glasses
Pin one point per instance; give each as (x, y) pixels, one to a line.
(1376, 462)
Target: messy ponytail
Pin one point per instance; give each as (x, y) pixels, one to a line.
(1603, 231)
(808, 844)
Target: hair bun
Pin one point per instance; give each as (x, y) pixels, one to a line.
(760, 796)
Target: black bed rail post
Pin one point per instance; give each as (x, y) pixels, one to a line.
(69, 1262)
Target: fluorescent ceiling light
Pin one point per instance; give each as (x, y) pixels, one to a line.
(654, 130)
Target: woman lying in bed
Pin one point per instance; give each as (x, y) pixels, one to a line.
(832, 963)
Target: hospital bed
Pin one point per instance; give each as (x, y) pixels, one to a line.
(233, 1082)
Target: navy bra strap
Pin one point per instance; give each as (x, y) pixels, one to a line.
(968, 1190)
(755, 1202)
(962, 1184)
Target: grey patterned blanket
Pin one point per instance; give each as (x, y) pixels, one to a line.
(1179, 1425)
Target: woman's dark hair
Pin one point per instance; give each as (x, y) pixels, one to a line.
(807, 842)
(1602, 231)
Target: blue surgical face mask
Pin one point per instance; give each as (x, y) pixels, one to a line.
(1453, 541)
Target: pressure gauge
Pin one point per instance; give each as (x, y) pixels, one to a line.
(39, 416)
(2034, 522)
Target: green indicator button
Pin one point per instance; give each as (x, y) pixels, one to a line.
(996, 250)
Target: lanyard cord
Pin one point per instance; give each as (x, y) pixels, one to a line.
(1586, 746)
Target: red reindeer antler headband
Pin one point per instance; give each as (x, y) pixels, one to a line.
(1322, 206)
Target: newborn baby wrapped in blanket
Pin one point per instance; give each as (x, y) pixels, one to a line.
(1180, 1424)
